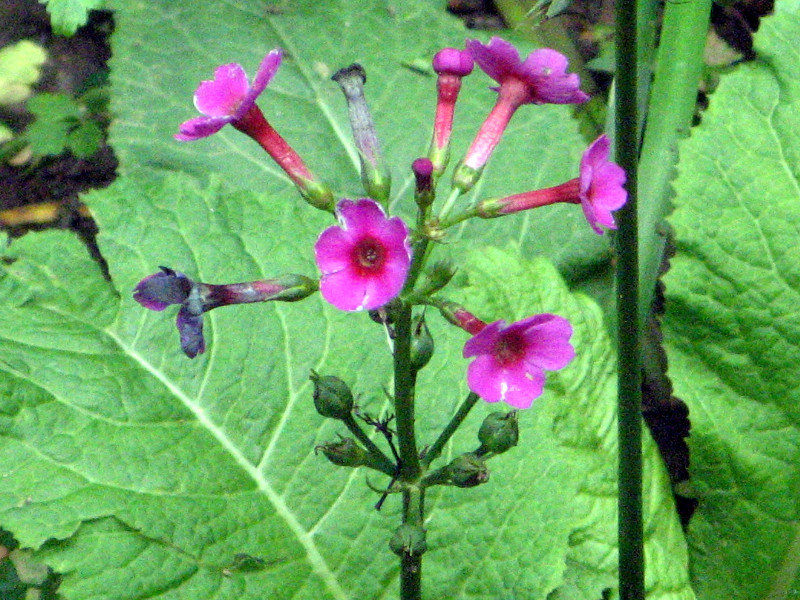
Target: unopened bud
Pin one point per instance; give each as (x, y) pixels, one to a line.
(421, 343)
(344, 453)
(468, 470)
(438, 276)
(499, 432)
(332, 398)
(423, 191)
(409, 539)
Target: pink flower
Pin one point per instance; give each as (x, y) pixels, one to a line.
(365, 259)
(540, 78)
(599, 190)
(228, 98)
(511, 359)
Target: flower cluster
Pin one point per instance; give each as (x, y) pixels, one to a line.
(370, 259)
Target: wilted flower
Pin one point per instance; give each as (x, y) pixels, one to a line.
(365, 259)
(599, 190)
(511, 359)
(160, 290)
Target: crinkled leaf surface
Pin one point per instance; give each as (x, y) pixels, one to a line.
(153, 472)
(141, 474)
(732, 326)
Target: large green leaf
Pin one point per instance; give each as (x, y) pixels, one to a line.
(732, 326)
(152, 472)
(138, 473)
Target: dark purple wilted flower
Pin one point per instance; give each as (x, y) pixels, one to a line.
(511, 359)
(160, 290)
(365, 259)
(599, 190)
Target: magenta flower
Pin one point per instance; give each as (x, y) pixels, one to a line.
(601, 185)
(511, 359)
(228, 98)
(540, 78)
(365, 259)
(599, 190)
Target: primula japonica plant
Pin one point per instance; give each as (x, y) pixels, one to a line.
(372, 262)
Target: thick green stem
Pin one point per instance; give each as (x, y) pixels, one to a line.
(672, 106)
(411, 563)
(631, 538)
(436, 449)
(404, 382)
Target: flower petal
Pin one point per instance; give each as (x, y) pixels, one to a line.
(221, 96)
(547, 338)
(200, 127)
(497, 59)
(190, 327)
(160, 290)
(266, 71)
(484, 341)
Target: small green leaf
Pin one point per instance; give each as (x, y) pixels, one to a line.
(85, 139)
(56, 115)
(66, 16)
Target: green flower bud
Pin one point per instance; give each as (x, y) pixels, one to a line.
(499, 432)
(421, 343)
(332, 398)
(438, 276)
(468, 470)
(345, 453)
(409, 539)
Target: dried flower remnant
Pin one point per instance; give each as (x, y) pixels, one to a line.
(365, 259)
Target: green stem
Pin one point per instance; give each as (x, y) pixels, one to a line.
(672, 106)
(631, 536)
(411, 564)
(404, 382)
(436, 449)
(381, 461)
(448, 204)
